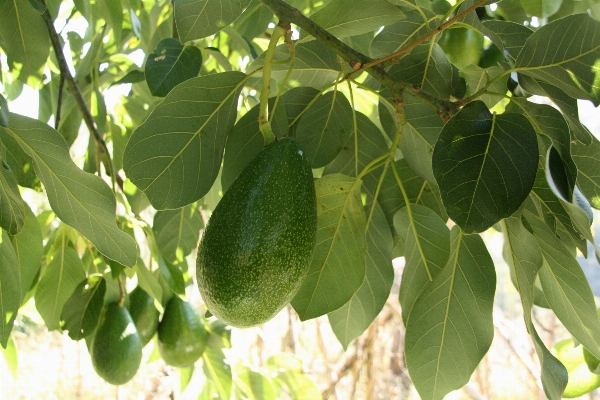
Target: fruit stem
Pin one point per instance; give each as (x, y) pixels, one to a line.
(121, 293)
(263, 115)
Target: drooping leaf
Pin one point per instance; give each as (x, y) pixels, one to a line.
(354, 317)
(170, 64)
(58, 281)
(587, 159)
(216, 368)
(426, 248)
(29, 250)
(324, 128)
(485, 165)
(81, 311)
(175, 155)
(564, 53)
(343, 18)
(450, 327)
(12, 207)
(10, 287)
(566, 288)
(197, 19)
(79, 199)
(24, 38)
(337, 268)
(177, 231)
(148, 282)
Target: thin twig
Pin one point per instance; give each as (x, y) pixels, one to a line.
(61, 86)
(342, 371)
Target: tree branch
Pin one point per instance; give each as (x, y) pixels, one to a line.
(356, 59)
(79, 100)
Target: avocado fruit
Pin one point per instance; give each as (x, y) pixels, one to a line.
(463, 46)
(116, 349)
(581, 379)
(144, 314)
(181, 334)
(257, 245)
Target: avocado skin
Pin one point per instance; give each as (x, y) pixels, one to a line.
(258, 243)
(181, 334)
(144, 314)
(116, 349)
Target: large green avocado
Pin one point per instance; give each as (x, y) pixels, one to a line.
(257, 245)
(181, 334)
(116, 349)
(144, 314)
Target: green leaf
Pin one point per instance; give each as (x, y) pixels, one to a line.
(524, 256)
(170, 64)
(20, 163)
(10, 356)
(324, 128)
(337, 268)
(587, 159)
(133, 76)
(177, 231)
(475, 158)
(29, 250)
(175, 155)
(81, 312)
(566, 288)
(4, 113)
(148, 281)
(24, 38)
(112, 11)
(354, 317)
(343, 18)
(421, 131)
(58, 281)
(564, 53)
(450, 327)
(315, 65)
(12, 207)
(245, 141)
(301, 387)
(10, 287)
(477, 78)
(541, 8)
(185, 376)
(513, 35)
(254, 20)
(217, 369)
(426, 247)
(198, 19)
(79, 199)
(254, 385)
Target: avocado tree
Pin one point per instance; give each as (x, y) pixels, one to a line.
(413, 114)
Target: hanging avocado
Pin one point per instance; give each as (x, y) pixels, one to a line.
(258, 243)
(144, 313)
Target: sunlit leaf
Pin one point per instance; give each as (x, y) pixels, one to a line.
(10, 287)
(81, 311)
(29, 250)
(197, 19)
(300, 386)
(9, 351)
(587, 159)
(148, 282)
(254, 385)
(217, 369)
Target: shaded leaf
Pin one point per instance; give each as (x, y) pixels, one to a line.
(513, 35)
(170, 64)
(477, 78)
(450, 327)
(197, 19)
(177, 231)
(296, 101)
(81, 312)
(81, 200)
(12, 207)
(175, 155)
(131, 77)
(4, 113)
(587, 159)
(337, 268)
(475, 158)
(10, 288)
(29, 250)
(254, 20)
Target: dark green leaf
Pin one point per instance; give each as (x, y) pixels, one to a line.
(513, 35)
(10, 287)
(198, 19)
(4, 113)
(324, 128)
(485, 165)
(354, 317)
(12, 207)
(58, 281)
(450, 327)
(38, 5)
(170, 64)
(177, 231)
(254, 20)
(587, 159)
(565, 53)
(81, 312)
(82, 200)
(337, 268)
(175, 155)
(297, 100)
(131, 77)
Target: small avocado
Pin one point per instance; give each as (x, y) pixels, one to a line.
(116, 348)
(144, 314)
(181, 334)
(258, 243)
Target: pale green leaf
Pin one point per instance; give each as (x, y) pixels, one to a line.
(148, 282)
(81, 312)
(477, 78)
(12, 207)
(337, 268)
(24, 38)
(426, 248)
(10, 287)
(20, 163)
(354, 317)
(343, 18)
(58, 281)
(81, 200)
(10, 356)
(254, 20)
(324, 128)
(254, 385)
(196, 19)
(29, 250)
(450, 327)
(217, 370)
(565, 54)
(113, 13)
(300, 386)
(541, 8)
(175, 155)
(185, 376)
(485, 165)
(587, 159)
(177, 231)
